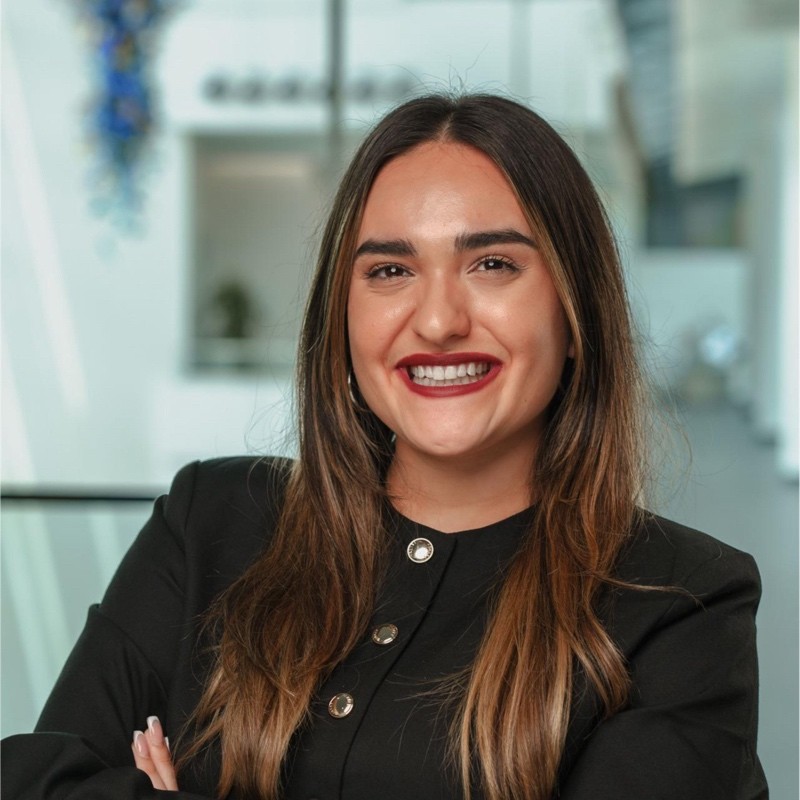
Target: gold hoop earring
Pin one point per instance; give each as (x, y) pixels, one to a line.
(350, 382)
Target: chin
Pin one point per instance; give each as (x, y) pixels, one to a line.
(448, 449)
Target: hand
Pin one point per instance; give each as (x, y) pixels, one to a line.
(151, 754)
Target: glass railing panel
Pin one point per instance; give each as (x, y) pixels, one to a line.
(57, 558)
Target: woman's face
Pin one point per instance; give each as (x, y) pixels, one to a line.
(457, 336)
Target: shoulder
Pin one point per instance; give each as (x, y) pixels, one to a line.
(226, 488)
(217, 517)
(663, 552)
(696, 579)
(683, 617)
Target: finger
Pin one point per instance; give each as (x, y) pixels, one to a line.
(142, 759)
(159, 753)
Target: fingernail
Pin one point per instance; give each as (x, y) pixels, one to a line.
(166, 741)
(154, 726)
(140, 743)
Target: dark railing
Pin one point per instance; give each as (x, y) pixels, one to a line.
(63, 494)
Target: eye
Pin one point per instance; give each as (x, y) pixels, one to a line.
(387, 272)
(496, 264)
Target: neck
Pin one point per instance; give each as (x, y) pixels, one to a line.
(459, 494)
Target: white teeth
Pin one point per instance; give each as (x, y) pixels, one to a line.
(451, 375)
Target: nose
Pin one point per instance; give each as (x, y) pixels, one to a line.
(442, 312)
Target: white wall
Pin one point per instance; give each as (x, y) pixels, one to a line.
(789, 287)
(88, 321)
(772, 242)
(736, 83)
(678, 295)
(95, 326)
(442, 44)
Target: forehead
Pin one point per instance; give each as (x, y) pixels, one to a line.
(441, 183)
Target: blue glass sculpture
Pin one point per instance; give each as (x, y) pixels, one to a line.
(121, 112)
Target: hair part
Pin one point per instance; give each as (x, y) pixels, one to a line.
(314, 589)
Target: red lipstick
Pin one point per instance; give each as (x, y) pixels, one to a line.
(488, 369)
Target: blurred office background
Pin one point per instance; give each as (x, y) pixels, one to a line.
(137, 338)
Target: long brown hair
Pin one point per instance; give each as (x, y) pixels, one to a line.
(306, 603)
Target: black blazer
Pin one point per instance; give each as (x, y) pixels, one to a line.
(689, 731)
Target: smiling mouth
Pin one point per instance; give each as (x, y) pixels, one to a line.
(450, 375)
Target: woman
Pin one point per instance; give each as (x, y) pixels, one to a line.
(452, 592)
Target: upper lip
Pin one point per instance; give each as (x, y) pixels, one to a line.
(445, 359)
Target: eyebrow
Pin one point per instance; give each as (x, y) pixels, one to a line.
(474, 241)
(388, 247)
(464, 241)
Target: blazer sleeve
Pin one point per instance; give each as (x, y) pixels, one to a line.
(689, 731)
(117, 674)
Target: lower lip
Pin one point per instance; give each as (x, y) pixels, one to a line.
(454, 390)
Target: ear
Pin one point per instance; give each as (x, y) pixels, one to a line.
(571, 349)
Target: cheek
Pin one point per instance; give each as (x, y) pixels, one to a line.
(367, 336)
(367, 352)
(374, 323)
(537, 327)
(550, 320)
(355, 334)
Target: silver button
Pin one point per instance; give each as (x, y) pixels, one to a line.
(340, 705)
(385, 634)
(420, 551)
